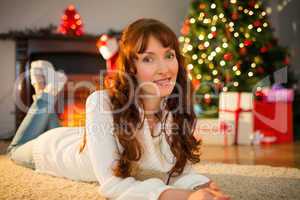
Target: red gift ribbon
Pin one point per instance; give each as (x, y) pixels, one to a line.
(236, 116)
(223, 128)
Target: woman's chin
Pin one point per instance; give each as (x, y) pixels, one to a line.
(165, 91)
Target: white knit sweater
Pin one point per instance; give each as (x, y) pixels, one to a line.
(56, 152)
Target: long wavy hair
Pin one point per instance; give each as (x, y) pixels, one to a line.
(122, 86)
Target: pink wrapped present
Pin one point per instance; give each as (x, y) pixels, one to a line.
(279, 94)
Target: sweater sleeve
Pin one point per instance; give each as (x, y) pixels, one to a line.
(102, 151)
(189, 178)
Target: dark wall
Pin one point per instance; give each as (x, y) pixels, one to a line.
(286, 23)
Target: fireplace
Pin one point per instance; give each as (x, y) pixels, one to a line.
(78, 58)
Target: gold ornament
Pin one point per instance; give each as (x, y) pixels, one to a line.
(257, 59)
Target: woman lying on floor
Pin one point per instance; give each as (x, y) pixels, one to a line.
(143, 120)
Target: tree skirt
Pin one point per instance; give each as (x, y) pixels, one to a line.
(239, 181)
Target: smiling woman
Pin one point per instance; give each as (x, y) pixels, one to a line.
(148, 95)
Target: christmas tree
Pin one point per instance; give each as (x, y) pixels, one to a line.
(71, 23)
(229, 46)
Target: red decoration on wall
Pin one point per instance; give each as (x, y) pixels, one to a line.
(71, 23)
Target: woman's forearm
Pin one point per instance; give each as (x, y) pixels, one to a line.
(175, 194)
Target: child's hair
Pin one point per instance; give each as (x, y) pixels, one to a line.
(184, 146)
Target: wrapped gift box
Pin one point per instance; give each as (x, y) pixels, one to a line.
(273, 116)
(236, 108)
(278, 94)
(214, 132)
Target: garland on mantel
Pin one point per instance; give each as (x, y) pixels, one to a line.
(49, 32)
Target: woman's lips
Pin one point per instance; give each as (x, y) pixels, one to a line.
(163, 82)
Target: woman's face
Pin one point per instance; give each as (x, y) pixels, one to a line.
(157, 69)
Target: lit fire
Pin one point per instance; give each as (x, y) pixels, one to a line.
(74, 105)
(73, 115)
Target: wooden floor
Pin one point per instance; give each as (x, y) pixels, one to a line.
(284, 155)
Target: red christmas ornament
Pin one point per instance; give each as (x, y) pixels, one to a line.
(202, 6)
(214, 34)
(71, 23)
(243, 51)
(257, 23)
(248, 43)
(196, 83)
(227, 56)
(264, 49)
(235, 16)
(185, 28)
(226, 4)
(260, 70)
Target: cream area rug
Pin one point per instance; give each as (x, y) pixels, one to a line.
(241, 182)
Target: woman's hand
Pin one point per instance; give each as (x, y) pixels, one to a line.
(209, 191)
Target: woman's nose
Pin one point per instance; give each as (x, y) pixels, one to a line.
(162, 66)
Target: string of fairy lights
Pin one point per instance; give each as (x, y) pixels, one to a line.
(208, 53)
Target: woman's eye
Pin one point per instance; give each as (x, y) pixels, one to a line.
(170, 55)
(147, 59)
